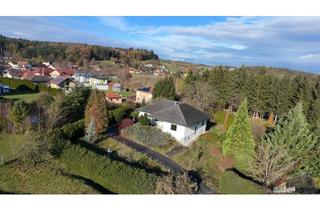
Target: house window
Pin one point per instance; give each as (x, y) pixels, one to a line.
(173, 127)
(202, 122)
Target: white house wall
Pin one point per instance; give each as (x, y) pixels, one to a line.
(184, 135)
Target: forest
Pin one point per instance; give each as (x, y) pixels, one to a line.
(268, 92)
(81, 54)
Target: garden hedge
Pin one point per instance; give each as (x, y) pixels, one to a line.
(73, 130)
(115, 176)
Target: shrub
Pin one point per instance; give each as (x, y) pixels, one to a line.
(144, 120)
(73, 130)
(119, 113)
(150, 136)
(114, 175)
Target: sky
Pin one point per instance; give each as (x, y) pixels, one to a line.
(288, 42)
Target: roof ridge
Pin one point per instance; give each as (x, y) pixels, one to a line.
(183, 117)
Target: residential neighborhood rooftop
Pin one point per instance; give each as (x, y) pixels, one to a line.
(145, 89)
(175, 112)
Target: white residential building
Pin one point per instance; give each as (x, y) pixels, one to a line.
(182, 121)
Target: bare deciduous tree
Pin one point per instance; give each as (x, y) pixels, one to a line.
(272, 163)
(180, 184)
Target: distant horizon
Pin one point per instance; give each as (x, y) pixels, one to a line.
(276, 42)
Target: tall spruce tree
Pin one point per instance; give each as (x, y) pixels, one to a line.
(97, 109)
(239, 142)
(165, 88)
(288, 149)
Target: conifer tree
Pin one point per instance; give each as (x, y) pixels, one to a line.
(91, 134)
(239, 142)
(288, 149)
(165, 88)
(97, 109)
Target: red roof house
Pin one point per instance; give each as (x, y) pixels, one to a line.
(113, 97)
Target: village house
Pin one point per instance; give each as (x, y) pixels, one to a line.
(39, 79)
(114, 86)
(99, 82)
(114, 98)
(184, 122)
(62, 72)
(47, 64)
(42, 71)
(12, 73)
(13, 66)
(82, 76)
(143, 95)
(64, 83)
(24, 65)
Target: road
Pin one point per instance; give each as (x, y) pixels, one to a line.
(162, 159)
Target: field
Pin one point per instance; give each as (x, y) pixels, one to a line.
(28, 97)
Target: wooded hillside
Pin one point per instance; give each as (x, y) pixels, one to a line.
(81, 54)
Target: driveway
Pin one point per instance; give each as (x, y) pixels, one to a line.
(164, 160)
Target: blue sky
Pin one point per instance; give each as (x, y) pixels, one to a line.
(290, 42)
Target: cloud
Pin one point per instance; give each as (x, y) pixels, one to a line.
(116, 22)
(291, 42)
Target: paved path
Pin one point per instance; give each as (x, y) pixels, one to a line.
(169, 163)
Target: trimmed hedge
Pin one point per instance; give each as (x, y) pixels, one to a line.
(73, 130)
(114, 175)
(119, 113)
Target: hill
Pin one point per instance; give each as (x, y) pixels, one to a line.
(80, 54)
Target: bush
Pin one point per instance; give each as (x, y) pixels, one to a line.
(73, 130)
(114, 175)
(118, 114)
(150, 136)
(144, 120)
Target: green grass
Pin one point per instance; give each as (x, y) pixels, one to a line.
(8, 144)
(43, 178)
(28, 97)
(219, 118)
(106, 62)
(231, 183)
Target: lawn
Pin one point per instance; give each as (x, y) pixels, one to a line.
(28, 97)
(219, 118)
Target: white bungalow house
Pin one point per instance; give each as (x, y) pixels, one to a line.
(99, 82)
(184, 122)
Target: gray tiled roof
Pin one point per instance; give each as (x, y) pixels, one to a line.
(174, 112)
(58, 80)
